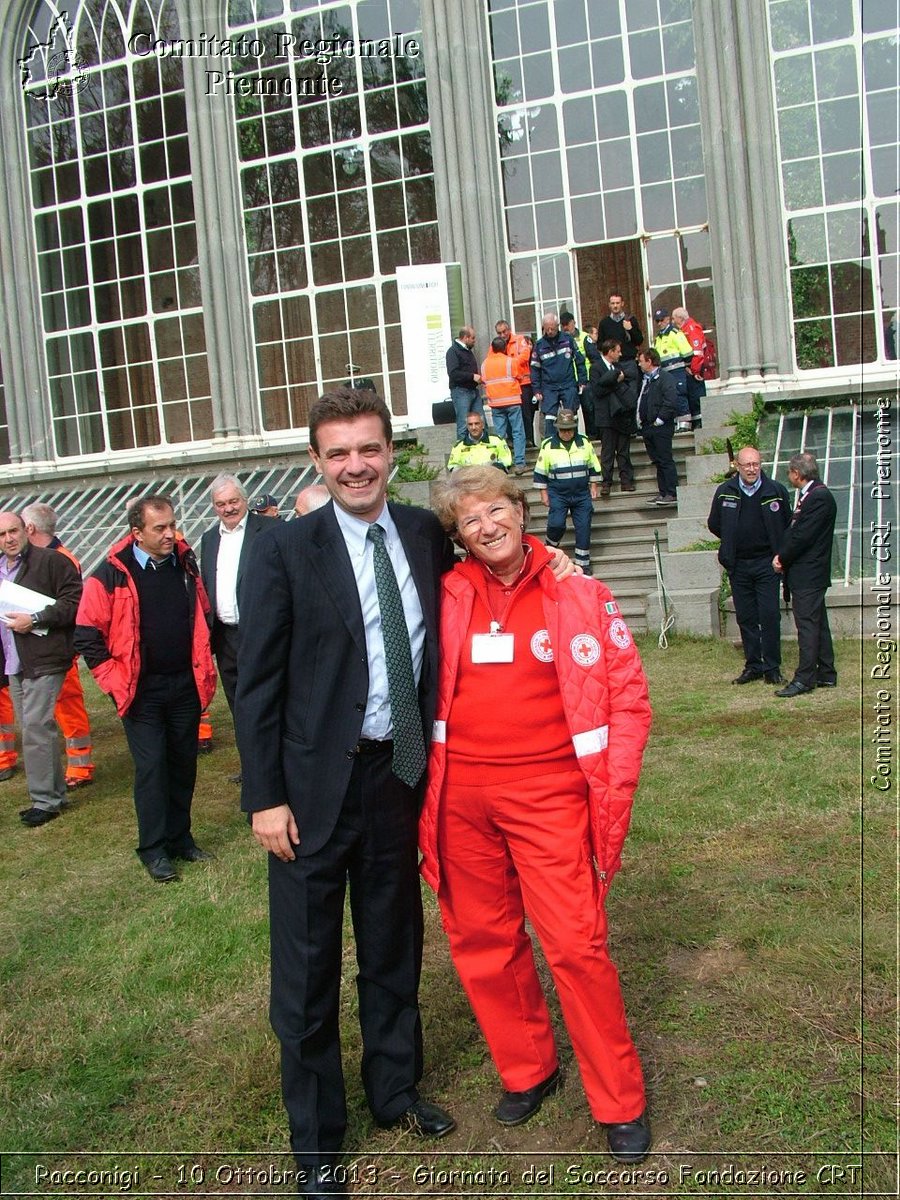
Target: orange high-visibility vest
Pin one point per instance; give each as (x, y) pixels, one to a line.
(498, 374)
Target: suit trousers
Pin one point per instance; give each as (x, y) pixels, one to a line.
(756, 589)
(615, 452)
(524, 847)
(658, 440)
(225, 641)
(35, 701)
(816, 652)
(161, 729)
(374, 848)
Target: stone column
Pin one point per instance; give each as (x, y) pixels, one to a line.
(21, 349)
(220, 237)
(737, 119)
(456, 49)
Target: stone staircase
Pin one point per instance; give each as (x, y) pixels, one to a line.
(624, 528)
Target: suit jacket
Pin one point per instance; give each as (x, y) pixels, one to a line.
(805, 551)
(209, 555)
(303, 678)
(615, 403)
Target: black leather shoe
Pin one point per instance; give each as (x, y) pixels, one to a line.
(748, 676)
(320, 1182)
(793, 689)
(630, 1141)
(424, 1120)
(193, 854)
(160, 869)
(7, 773)
(774, 677)
(32, 817)
(74, 785)
(515, 1108)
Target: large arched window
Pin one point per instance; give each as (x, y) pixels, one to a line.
(116, 240)
(337, 189)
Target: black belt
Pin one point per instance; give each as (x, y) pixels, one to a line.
(374, 745)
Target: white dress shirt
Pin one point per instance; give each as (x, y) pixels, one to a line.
(377, 721)
(230, 543)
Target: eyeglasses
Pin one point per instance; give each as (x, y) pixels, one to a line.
(496, 512)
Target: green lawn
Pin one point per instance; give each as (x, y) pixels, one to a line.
(754, 926)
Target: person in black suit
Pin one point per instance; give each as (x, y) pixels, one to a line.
(615, 382)
(657, 405)
(223, 558)
(314, 727)
(805, 560)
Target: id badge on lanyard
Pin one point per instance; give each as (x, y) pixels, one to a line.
(493, 647)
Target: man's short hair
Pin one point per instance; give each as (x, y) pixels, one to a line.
(138, 510)
(651, 354)
(502, 321)
(615, 293)
(804, 464)
(609, 344)
(344, 404)
(226, 479)
(680, 314)
(565, 317)
(498, 345)
(41, 516)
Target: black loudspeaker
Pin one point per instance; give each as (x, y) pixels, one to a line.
(443, 413)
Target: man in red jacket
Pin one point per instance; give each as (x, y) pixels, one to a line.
(143, 630)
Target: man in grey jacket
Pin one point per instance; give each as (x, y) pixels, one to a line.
(36, 649)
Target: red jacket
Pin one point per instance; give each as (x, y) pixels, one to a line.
(604, 694)
(108, 627)
(693, 331)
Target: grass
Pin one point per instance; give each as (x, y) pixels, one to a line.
(753, 925)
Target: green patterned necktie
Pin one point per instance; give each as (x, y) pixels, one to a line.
(409, 743)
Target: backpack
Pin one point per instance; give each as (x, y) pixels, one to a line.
(709, 368)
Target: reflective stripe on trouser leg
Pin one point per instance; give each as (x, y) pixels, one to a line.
(72, 718)
(8, 755)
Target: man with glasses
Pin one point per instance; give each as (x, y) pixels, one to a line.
(750, 513)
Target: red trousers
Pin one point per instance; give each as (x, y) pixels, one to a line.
(8, 755)
(520, 847)
(72, 719)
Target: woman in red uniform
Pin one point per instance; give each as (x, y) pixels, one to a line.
(531, 819)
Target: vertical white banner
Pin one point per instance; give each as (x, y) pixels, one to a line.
(426, 334)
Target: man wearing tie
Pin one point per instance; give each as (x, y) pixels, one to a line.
(615, 383)
(223, 556)
(805, 560)
(335, 693)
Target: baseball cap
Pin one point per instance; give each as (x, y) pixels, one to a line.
(262, 502)
(660, 314)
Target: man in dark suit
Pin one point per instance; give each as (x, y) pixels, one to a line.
(615, 384)
(805, 561)
(315, 729)
(657, 404)
(223, 557)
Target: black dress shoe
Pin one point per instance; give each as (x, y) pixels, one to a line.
(774, 677)
(748, 676)
(630, 1141)
(193, 854)
(33, 817)
(320, 1182)
(793, 689)
(424, 1120)
(160, 868)
(517, 1107)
